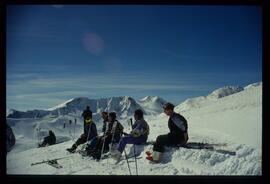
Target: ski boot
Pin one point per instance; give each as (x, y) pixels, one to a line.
(154, 157)
(72, 149)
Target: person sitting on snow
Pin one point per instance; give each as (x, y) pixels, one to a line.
(138, 135)
(177, 136)
(90, 130)
(92, 144)
(112, 135)
(49, 140)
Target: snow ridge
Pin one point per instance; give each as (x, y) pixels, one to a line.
(213, 97)
(225, 91)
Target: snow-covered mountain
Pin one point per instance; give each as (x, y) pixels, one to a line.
(233, 120)
(253, 85)
(123, 106)
(225, 91)
(26, 123)
(213, 97)
(152, 105)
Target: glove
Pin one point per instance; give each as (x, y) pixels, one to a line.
(135, 133)
(83, 135)
(103, 138)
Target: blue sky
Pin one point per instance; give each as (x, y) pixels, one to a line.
(55, 53)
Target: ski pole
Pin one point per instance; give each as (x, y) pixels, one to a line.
(127, 162)
(37, 137)
(113, 129)
(135, 160)
(89, 130)
(107, 129)
(134, 151)
(102, 149)
(75, 127)
(70, 128)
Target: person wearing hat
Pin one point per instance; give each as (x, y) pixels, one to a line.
(112, 135)
(90, 130)
(177, 136)
(138, 135)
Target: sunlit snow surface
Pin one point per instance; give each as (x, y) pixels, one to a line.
(235, 120)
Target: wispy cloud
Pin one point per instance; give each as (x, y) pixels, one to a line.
(50, 91)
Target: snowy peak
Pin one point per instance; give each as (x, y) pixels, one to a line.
(28, 114)
(123, 106)
(225, 91)
(148, 99)
(76, 103)
(9, 111)
(152, 105)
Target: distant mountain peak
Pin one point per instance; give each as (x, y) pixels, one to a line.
(225, 91)
(151, 98)
(152, 104)
(253, 85)
(217, 94)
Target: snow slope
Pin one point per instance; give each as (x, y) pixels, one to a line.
(234, 119)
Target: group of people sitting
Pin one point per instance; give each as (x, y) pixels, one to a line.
(113, 134)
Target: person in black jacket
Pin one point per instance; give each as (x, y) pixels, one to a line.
(49, 140)
(177, 136)
(89, 127)
(105, 120)
(92, 144)
(112, 135)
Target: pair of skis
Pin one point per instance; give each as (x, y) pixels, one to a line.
(51, 162)
(210, 147)
(200, 146)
